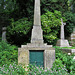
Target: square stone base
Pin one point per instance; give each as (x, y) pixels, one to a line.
(49, 54)
(62, 43)
(72, 51)
(72, 39)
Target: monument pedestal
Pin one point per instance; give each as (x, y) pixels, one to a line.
(24, 53)
(62, 43)
(72, 38)
(36, 52)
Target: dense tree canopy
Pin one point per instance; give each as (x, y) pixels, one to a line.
(18, 9)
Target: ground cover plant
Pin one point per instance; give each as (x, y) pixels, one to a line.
(14, 69)
(8, 53)
(66, 59)
(64, 64)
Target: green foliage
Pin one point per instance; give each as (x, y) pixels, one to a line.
(7, 7)
(63, 65)
(74, 43)
(8, 53)
(12, 69)
(72, 67)
(70, 23)
(72, 5)
(57, 64)
(50, 25)
(66, 59)
(51, 5)
(68, 47)
(19, 31)
(32, 70)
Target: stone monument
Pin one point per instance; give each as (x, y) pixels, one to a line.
(73, 37)
(62, 42)
(4, 34)
(36, 52)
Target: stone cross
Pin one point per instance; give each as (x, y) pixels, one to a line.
(62, 29)
(4, 34)
(37, 35)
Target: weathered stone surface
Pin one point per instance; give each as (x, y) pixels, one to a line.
(49, 58)
(73, 30)
(37, 18)
(73, 37)
(62, 30)
(72, 51)
(49, 54)
(37, 42)
(23, 56)
(37, 34)
(62, 42)
(4, 34)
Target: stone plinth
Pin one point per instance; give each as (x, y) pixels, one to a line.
(62, 43)
(73, 37)
(37, 34)
(72, 51)
(49, 54)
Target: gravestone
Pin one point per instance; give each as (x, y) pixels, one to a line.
(73, 37)
(4, 34)
(62, 42)
(37, 52)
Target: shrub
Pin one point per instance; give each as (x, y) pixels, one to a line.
(19, 31)
(70, 23)
(66, 59)
(50, 25)
(8, 53)
(12, 69)
(33, 70)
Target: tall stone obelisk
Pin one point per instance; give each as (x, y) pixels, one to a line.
(37, 45)
(37, 35)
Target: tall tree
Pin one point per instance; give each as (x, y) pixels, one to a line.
(6, 8)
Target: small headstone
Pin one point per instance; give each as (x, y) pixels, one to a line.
(73, 37)
(62, 42)
(73, 30)
(4, 34)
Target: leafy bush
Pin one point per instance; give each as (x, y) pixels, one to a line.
(50, 25)
(8, 53)
(19, 31)
(70, 23)
(72, 67)
(63, 65)
(66, 59)
(73, 43)
(32, 70)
